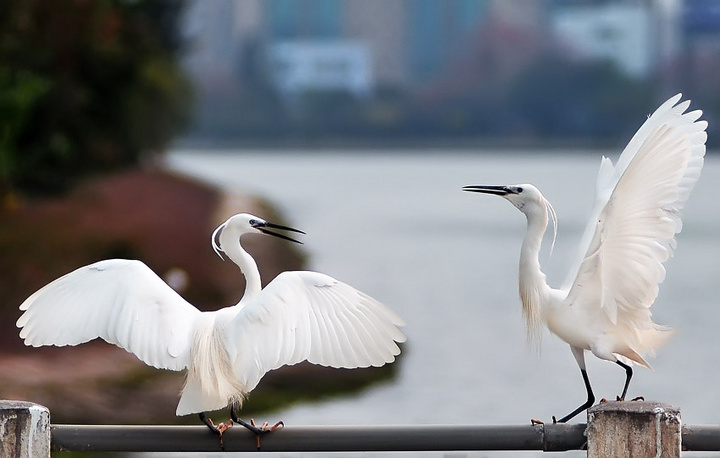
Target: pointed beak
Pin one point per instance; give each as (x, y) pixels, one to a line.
(263, 227)
(494, 190)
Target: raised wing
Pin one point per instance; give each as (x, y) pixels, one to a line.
(637, 215)
(311, 316)
(120, 301)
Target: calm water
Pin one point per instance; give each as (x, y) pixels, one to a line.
(397, 226)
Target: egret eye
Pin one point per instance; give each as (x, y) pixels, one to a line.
(519, 190)
(253, 222)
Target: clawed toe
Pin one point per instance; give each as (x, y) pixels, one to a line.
(638, 398)
(534, 422)
(222, 427)
(277, 425)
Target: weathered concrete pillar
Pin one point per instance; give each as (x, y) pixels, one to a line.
(634, 429)
(24, 430)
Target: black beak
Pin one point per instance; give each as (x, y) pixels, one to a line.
(263, 225)
(494, 190)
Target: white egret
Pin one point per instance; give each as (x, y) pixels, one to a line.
(298, 316)
(604, 305)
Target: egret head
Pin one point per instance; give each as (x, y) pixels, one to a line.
(526, 198)
(244, 223)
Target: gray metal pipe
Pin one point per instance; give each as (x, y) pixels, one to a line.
(346, 438)
(319, 438)
(701, 438)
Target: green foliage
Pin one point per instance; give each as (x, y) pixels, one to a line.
(86, 86)
(19, 91)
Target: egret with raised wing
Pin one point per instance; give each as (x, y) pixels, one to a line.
(604, 305)
(298, 316)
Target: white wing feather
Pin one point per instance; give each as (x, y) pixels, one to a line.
(311, 316)
(121, 301)
(637, 215)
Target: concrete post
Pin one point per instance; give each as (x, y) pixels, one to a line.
(634, 429)
(24, 430)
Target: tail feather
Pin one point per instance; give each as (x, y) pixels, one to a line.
(654, 339)
(196, 400)
(648, 342)
(211, 383)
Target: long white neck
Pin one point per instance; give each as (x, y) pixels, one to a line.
(232, 248)
(533, 287)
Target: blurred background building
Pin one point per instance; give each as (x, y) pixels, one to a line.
(313, 69)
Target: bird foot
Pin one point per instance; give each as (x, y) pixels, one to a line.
(639, 398)
(218, 429)
(262, 429)
(604, 400)
(554, 420)
(534, 422)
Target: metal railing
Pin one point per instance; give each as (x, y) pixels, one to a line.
(319, 438)
(557, 437)
(701, 438)
(641, 429)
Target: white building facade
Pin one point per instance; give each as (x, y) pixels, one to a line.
(298, 66)
(620, 33)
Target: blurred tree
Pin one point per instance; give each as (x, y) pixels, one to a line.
(18, 93)
(86, 86)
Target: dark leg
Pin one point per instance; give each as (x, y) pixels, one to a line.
(237, 420)
(219, 430)
(588, 403)
(209, 424)
(628, 376)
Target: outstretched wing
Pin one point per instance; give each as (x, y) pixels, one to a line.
(637, 215)
(311, 316)
(120, 301)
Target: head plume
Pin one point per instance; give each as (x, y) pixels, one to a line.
(216, 240)
(553, 217)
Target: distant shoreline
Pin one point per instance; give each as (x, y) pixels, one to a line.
(398, 143)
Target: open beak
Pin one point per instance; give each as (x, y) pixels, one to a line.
(494, 190)
(263, 226)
